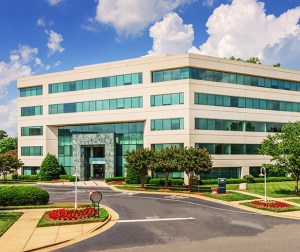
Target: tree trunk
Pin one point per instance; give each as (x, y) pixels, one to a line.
(166, 179)
(190, 176)
(296, 185)
(142, 180)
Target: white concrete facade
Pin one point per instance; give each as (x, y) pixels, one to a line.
(189, 110)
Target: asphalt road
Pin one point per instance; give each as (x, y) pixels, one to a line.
(174, 223)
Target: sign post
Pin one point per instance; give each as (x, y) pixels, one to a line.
(125, 176)
(75, 186)
(95, 197)
(199, 178)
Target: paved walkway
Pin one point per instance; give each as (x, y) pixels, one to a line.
(89, 183)
(23, 235)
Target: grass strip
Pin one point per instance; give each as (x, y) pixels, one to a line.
(294, 200)
(55, 205)
(102, 217)
(7, 220)
(232, 196)
(292, 208)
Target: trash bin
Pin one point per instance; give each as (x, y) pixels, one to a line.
(221, 185)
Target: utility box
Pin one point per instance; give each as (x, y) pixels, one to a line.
(221, 185)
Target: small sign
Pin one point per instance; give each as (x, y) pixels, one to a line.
(125, 174)
(95, 196)
(199, 178)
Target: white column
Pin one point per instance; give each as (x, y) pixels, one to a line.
(245, 171)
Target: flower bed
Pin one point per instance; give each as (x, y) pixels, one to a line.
(270, 204)
(70, 214)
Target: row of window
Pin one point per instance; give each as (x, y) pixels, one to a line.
(31, 91)
(32, 151)
(167, 99)
(167, 124)
(30, 170)
(32, 111)
(233, 125)
(104, 82)
(32, 131)
(166, 145)
(230, 149)
(243, 102)
(226, 77)
(110, 104)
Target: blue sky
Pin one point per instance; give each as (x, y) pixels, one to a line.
(42, 36)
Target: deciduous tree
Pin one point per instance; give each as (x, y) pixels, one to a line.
(9, 161)
(8, 143)
(284, 150)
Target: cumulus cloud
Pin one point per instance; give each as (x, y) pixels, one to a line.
(8, 117)
(243, 29)
(18, 66)
(286, 52)
(171, 35)
(54, 40)
(54, 2)
(131, 17)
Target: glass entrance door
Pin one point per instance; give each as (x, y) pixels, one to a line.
(99, 171)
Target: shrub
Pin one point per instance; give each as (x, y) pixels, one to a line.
(71, 178)
(176, 182)
(14, 176)
(133, 176)
(215, 181)
(22, 196)
(115, 179)
(249, 178)
(50, 168)
(273, 179)
(147, 179)
(28, 177)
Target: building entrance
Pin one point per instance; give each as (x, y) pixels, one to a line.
(99, 171)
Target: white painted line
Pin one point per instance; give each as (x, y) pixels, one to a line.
(152, 220)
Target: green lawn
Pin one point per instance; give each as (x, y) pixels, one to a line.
(295, 200)
(7, 219)
(232, 196)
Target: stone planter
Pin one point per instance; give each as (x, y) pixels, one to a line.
(243, 186)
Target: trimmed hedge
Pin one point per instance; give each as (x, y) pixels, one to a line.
(133, 176)
(238, 181)
(23, 196)
(71, 178)
(28, 177)
(114, 179)
(161, 181)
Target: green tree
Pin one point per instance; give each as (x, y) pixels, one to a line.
(194, 161)
(140, 161)
(3, 134)
(277, 65)
(9, 162)
(8, 143)
(50, 168)
(165, 160)
(284, 150)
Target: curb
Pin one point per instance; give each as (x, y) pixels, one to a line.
(87, 234)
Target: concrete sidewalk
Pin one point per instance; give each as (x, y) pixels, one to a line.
(23, 235)
(89, 183)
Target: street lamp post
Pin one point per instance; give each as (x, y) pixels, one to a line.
(265, 176)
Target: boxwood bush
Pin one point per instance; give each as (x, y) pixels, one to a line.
(114, 179)
(161, 181)
(71, 178)
(22, 196)
(28, 177)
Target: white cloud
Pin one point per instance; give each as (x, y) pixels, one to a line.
(41, 22)
(90, 24)
(38, 62)
(171, 35)
(286, 52)
(57, 63)
(54, 41)
(8, 117)
(18, 66)
(243, 29)
(208, 3)
(131, 17)
(54, 2)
